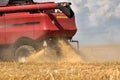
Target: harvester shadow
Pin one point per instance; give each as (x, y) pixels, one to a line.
(5, 53)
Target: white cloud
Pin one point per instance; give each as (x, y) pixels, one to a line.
(101, 11)
(117, 11)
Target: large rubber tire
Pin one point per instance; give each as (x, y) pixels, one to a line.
(22, 52)
(24, 46)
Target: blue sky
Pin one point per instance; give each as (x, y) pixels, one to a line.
(98, 21)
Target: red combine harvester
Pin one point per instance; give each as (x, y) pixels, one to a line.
(28, 25)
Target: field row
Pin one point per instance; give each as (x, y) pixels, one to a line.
(59, 71)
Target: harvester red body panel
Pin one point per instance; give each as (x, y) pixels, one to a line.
(35, 21)
(28, 7)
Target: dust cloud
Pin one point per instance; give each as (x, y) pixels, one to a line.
(63, 53)
(101, 53)
(68, 53)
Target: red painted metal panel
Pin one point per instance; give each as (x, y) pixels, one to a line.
(66, 26)
(36, 26)
(2, 30)
(51, 26)
(17, 27)
(28, 7)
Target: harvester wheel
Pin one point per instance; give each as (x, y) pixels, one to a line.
(24, 51)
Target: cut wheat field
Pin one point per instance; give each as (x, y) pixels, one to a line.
(59, 71)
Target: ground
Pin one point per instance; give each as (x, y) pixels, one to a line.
(59, 71)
